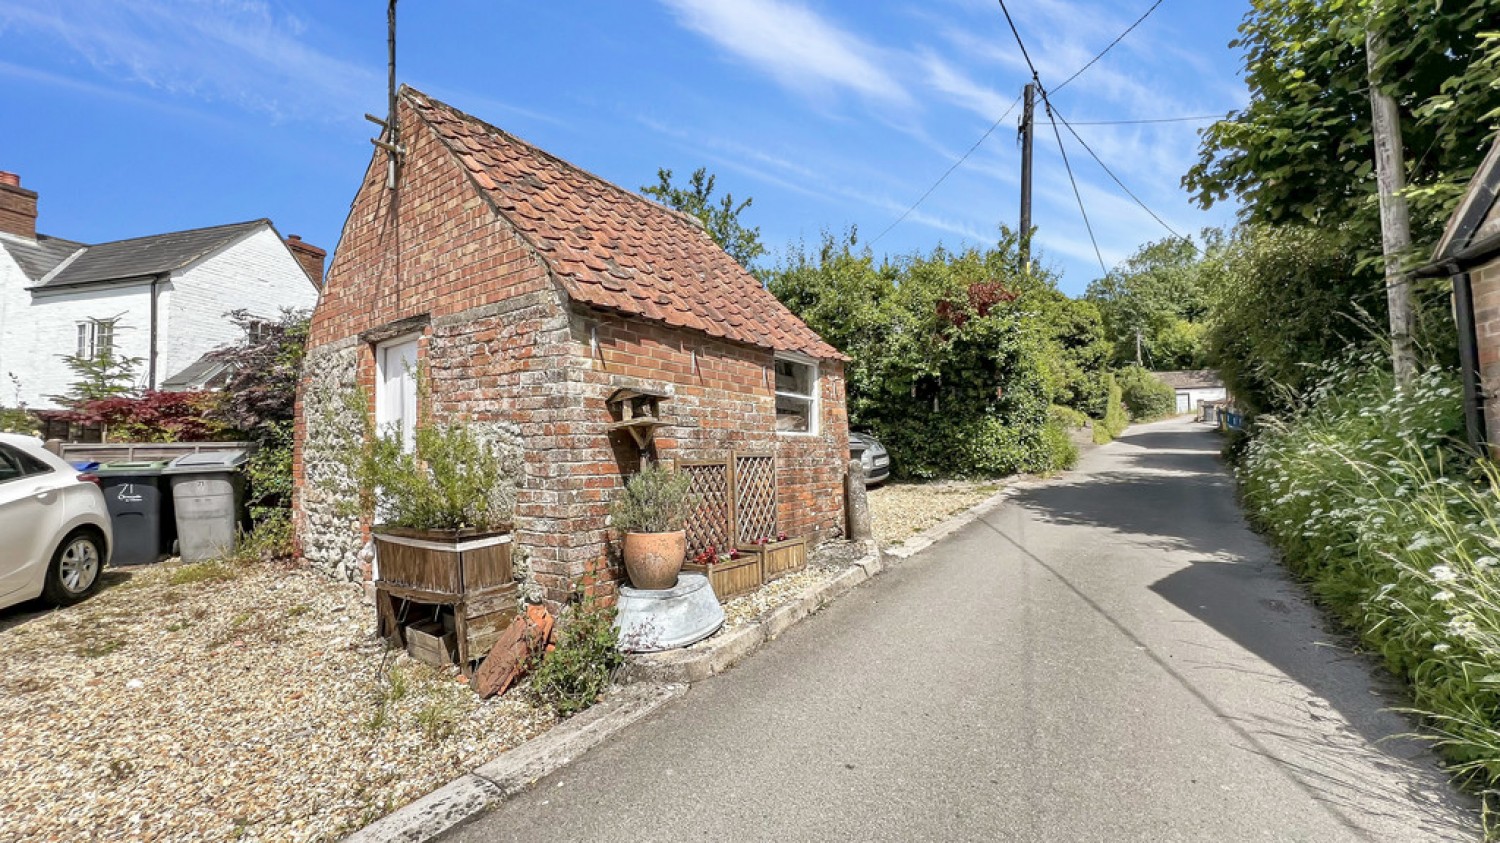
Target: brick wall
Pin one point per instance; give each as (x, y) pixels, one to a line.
(1485, 283)
(502, 347)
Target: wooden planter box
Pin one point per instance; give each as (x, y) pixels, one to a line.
(730, 579)
(778, 558)
(468, 571)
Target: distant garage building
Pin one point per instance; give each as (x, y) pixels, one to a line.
(1193, 386)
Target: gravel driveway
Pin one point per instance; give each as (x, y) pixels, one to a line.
(901, 510)
(208, 702)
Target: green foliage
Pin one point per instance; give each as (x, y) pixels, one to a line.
(721, 218)
(577, 671)
(1301, 151)
(1115, 419)
(1372, 499)
(1284, 300)
(654, 500)
(1152, 306)
(1144, 394)
(105, 374)
(452, 480)
(17, 420)
(1062, 451)
(956, 355)
(1067, 417)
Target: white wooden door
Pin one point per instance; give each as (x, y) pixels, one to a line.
(396, 389)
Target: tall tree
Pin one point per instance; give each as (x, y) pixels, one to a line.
(1151, 305)
(720, 217)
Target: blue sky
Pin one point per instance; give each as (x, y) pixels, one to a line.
(133, 117)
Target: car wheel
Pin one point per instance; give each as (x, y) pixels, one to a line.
(74, 572)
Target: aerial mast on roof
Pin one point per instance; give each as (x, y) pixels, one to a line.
(390, 139)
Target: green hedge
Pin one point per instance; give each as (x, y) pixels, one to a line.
(1145, 395)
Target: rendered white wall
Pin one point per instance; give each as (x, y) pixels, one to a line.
(257, 273)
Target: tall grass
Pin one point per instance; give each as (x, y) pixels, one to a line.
(1373, 499)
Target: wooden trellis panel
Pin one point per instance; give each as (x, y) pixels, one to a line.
(710, 521)
(754, 496)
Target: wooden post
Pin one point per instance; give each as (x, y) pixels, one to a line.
(1395, 224)
(1028, 124)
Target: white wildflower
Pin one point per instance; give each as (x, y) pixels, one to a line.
(1441, 648)
(1443, 596)
(1442, 573)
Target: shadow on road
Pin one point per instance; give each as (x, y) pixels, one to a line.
(1168, 490)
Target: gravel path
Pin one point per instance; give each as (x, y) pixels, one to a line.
(901, 510)
(207, 702)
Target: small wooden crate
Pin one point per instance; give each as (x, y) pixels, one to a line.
(778, 559)
(430, 644)
(732, 578)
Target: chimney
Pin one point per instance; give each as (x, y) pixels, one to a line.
(17, 207)
(310, 256)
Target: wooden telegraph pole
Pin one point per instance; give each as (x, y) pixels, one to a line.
(1395, 223)
(1028, 125)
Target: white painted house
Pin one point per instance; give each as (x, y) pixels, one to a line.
(1193, 386)
(161, 299)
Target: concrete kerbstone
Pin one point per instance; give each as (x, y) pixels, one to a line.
(469, 795)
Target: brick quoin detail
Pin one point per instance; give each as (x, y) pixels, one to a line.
(503, 344)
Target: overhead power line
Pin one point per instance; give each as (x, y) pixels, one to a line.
(1111, 173)
(1096, 58)
(948, 172)
(1076, 194)
(1149, 120)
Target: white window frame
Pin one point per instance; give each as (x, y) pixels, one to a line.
(814, 400)
(398, 406)
(94, 337)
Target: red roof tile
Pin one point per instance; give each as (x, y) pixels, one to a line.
(613, 248)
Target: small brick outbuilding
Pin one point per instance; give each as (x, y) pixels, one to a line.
(1469, 254)
(528, 292)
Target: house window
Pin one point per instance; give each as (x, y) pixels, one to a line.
(257, 331)
(796, 395)
(396, 389)
(96, 338)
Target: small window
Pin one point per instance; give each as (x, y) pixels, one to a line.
(96, 338)
(796, 395)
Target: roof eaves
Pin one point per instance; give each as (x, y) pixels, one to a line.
(1479, 197)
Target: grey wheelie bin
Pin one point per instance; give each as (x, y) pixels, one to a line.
(140, 510)
(208, 492)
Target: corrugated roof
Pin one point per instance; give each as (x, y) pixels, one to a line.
(613, 248)
(146, 256)
(40, 256)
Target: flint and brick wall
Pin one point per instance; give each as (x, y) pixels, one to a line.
(501, 346)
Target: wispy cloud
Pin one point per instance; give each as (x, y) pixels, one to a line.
(241, 52)
(800, 49)
(963, 90)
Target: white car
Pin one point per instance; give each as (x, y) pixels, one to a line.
(55, 534)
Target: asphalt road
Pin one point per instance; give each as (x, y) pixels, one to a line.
(1111, 655)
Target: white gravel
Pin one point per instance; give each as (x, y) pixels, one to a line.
(254, 704)
(901, 510)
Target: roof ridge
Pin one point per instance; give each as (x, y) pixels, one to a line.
(407, 90)
(229, 225)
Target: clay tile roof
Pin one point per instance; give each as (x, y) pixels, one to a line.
(615, 249)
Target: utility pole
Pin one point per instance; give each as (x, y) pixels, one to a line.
(1138, 362)
(1028, 126)
(1395, 223)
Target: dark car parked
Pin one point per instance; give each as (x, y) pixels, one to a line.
(872, 455)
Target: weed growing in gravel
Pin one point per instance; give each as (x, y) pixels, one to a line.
(202, 572)
(95, 649)
(439, 716)
(571, 677)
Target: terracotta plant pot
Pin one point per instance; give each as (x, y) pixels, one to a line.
(653, 560)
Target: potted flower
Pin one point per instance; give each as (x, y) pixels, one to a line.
(730, 573)
(778, 554)
(651, 512)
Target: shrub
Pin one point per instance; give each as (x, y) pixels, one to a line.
(154, 417)
(1067, 417)
(573, 675)
(453, 479)
(1062, 453)
(1145, 395)
(1115, 420)
(654, 500)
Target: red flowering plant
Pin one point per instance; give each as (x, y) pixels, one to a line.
(779, 537)
(712, 556)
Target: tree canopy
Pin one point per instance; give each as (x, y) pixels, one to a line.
(720, 217)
